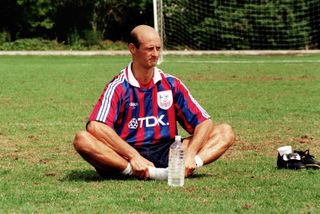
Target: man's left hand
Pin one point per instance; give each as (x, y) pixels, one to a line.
(190, 166)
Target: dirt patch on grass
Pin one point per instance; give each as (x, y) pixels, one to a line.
(238, 149)
(269, 147)
(304, 139)
(9, 150)
(287, 78)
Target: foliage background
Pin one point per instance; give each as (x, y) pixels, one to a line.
(244, 24)
(86, 24)
(73, 22)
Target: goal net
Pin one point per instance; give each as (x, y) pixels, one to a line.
(238, 24)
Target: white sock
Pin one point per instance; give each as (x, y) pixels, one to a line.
(128, 170)
(158, 173)
(198, 160)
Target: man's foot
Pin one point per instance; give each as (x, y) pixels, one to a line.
(158, 173)
(308, 160)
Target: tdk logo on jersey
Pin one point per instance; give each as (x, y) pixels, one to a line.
(150, 121)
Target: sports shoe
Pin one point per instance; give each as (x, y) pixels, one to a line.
(308, 160)
(290, 161)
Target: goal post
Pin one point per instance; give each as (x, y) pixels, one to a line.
(158, 24)
(238, 24)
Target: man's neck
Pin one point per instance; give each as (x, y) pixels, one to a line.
(141, 74)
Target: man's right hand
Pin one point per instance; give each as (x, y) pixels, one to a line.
(109, 137)
(140, 166)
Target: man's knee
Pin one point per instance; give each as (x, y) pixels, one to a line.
(226, 131)
(80, 141)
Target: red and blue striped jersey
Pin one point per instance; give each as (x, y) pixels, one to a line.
(147, 115)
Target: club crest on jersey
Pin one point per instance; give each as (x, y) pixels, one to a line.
(164, 99)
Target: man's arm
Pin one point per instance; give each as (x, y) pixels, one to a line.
(109, 137)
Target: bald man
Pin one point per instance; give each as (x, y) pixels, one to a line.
(135, 119)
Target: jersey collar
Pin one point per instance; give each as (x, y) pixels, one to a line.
(132, 80)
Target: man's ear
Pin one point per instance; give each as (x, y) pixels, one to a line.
(132, 48)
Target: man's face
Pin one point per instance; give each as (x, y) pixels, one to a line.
(149, 51)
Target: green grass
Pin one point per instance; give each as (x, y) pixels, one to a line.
(269, 100)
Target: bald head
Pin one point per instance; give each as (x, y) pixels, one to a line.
(142, 33)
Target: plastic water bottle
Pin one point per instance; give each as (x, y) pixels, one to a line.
(176, 164)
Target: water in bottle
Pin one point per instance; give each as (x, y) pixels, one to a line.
(176, 164)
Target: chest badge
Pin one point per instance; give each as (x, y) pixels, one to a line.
(164, 99)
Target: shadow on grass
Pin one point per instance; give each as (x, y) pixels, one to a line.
(200, 175)
(91, 176)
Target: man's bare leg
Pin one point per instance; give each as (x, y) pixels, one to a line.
(98, 154)
(105, 160)
(219, 140)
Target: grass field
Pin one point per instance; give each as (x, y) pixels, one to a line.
(269, 100)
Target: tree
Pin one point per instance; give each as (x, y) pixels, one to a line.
(35, 17)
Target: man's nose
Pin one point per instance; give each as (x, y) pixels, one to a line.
(155, 52)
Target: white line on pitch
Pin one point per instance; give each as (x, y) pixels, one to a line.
(15, 124)
(243, 61)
